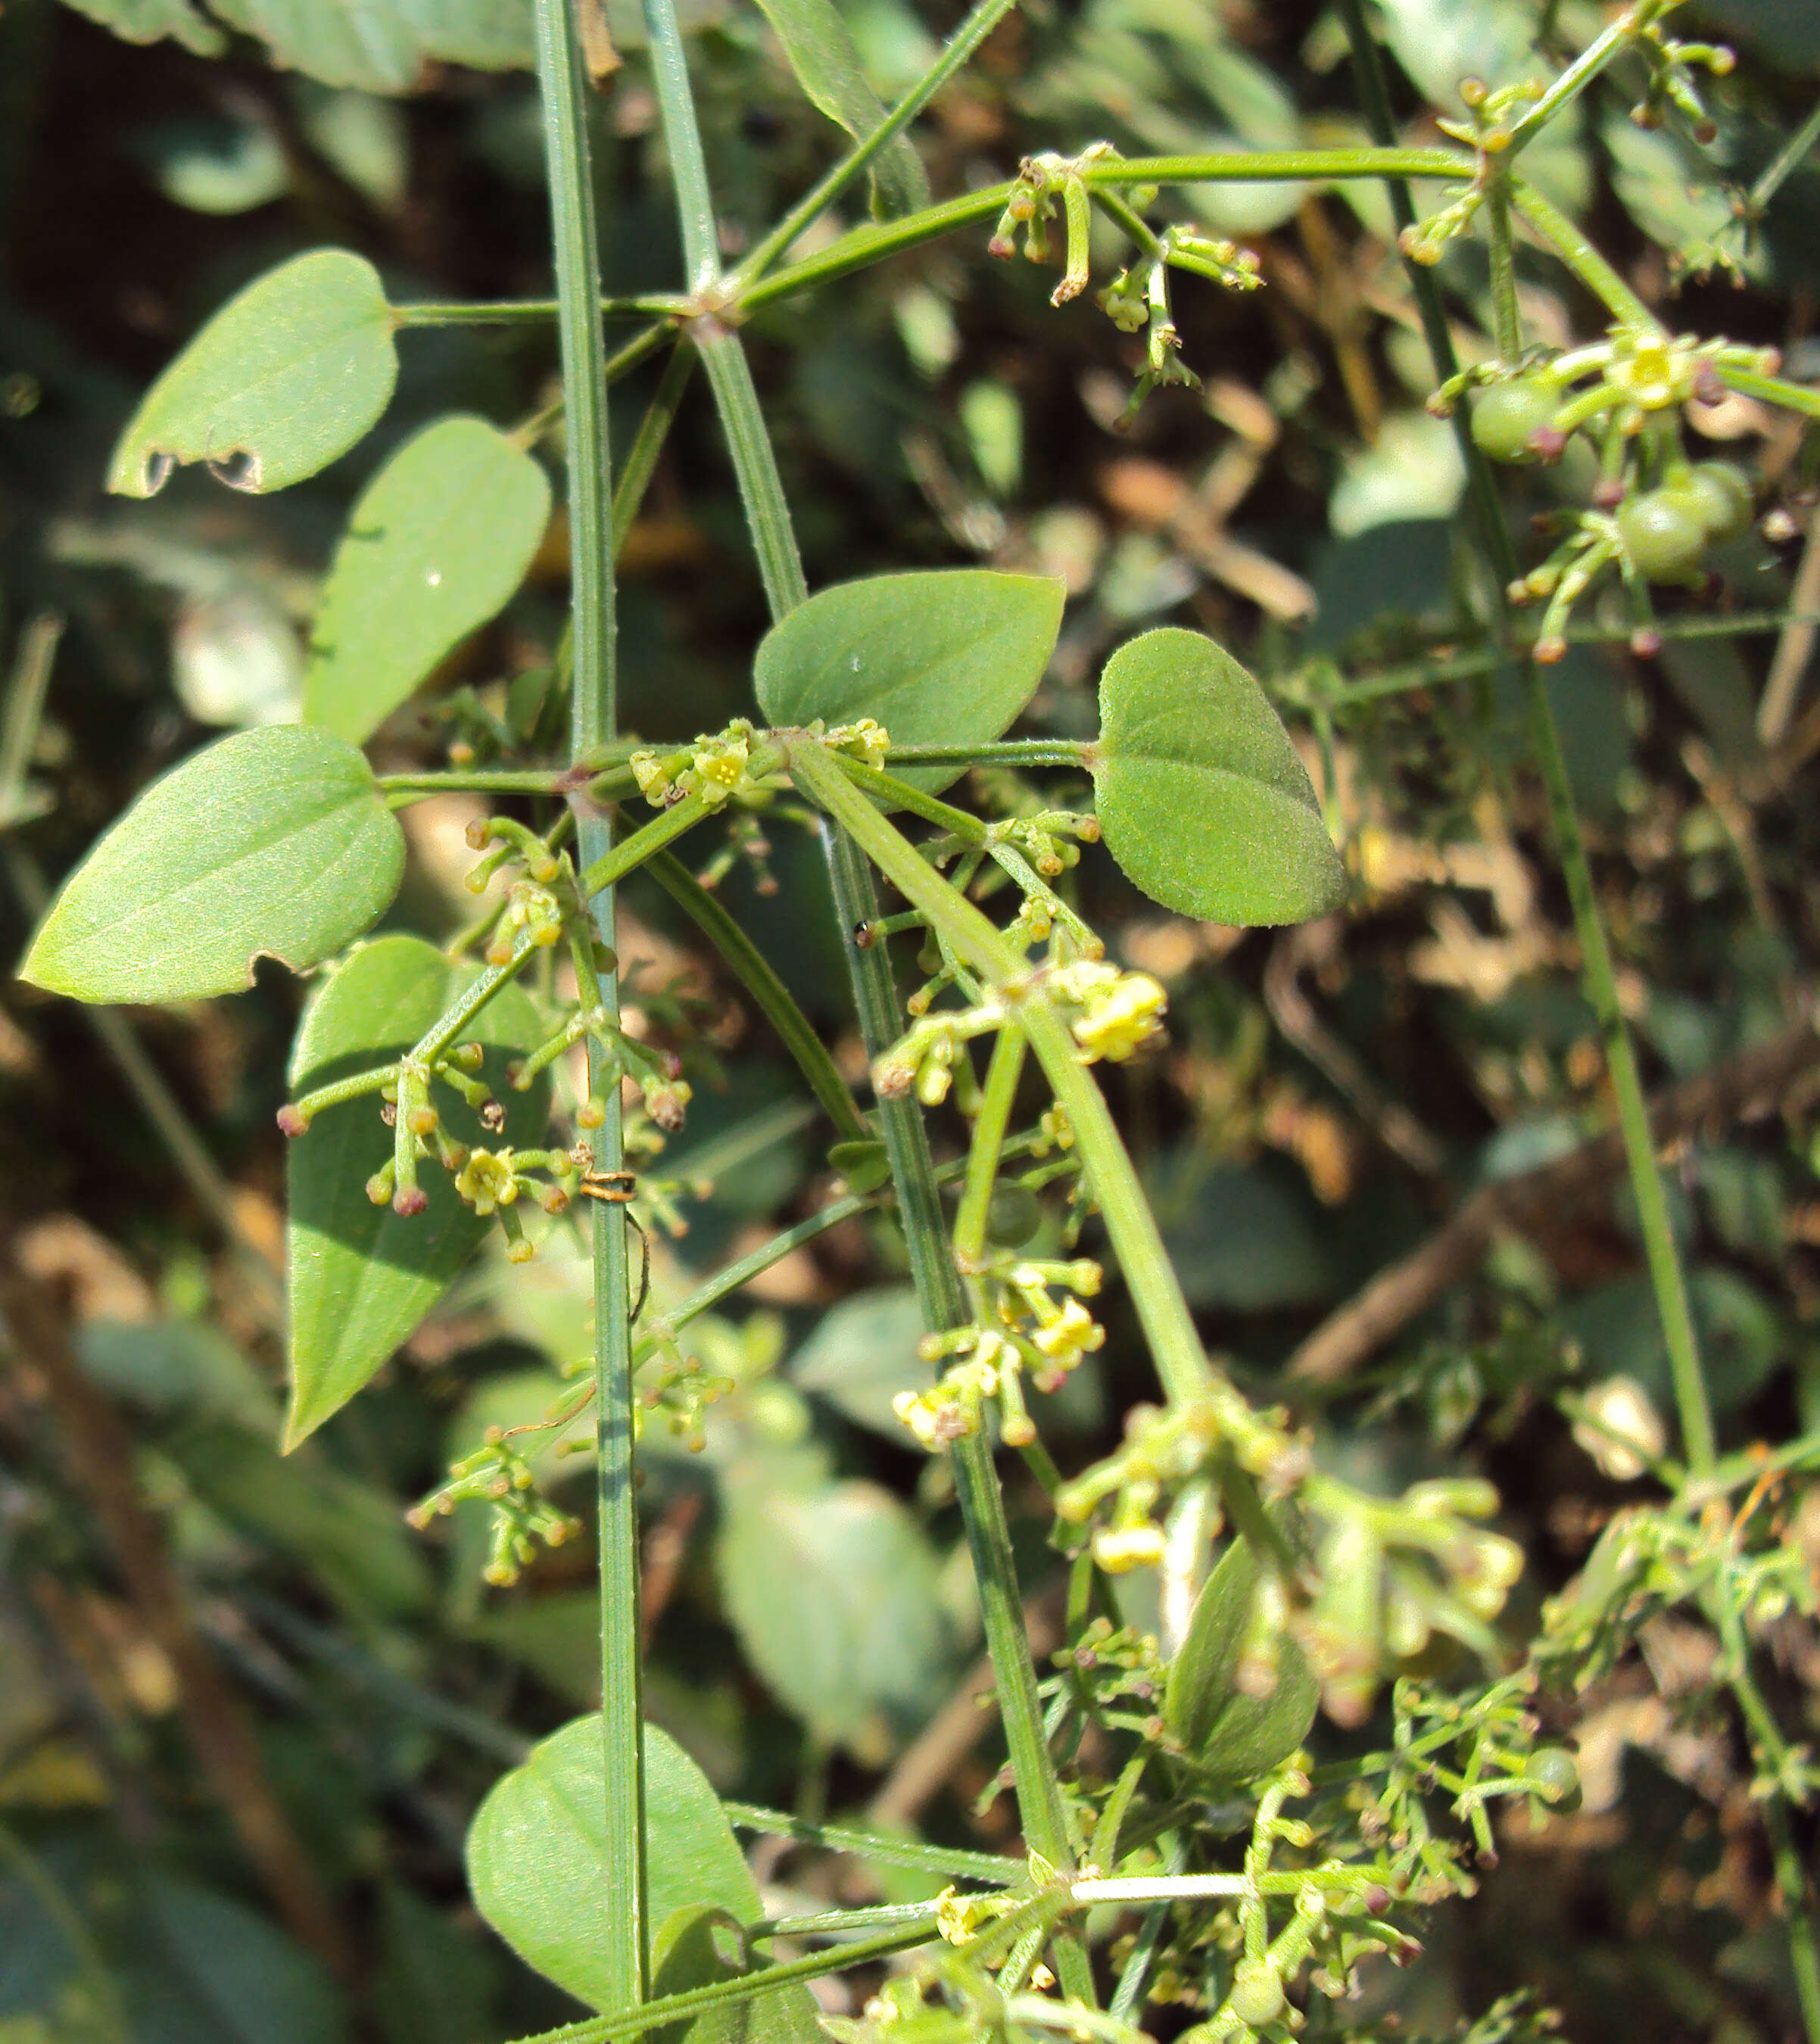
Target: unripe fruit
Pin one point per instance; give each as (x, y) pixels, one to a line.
(1015, 1216)
(1722, 499)
(1504, 415)
(1663, 534)
(1553, 1768)
(1257, 1996)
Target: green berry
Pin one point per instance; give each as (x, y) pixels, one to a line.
(1504, 415)
(1723, 498)
(1556, 1775)
(1014, 1216)
(1257, 1996)
(1664, 533)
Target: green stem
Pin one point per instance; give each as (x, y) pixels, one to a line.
(1130, 222)
(673, 2007)
(682, 138)
(1581, 72)
(1771, 390)
(1507, 325)
(645, 842)
(982, 1509)
(1783, 166)
(756, 465)
(1581, 257)
(997, 1097)
(1666, 1276)
(521, 312)
(955, 1863)
(563, 81)
(960, 46)
(1007, 752)
(1168, 1325)
(754, 970)
(944, 1303)
(640, 463)
(479, 780)
(864, 246)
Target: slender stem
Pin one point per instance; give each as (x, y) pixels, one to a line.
(755, 973)
(593, 722)
(683, 137)
(864, 246)
(672, 2008)
(1771, 390)
(1660, 1251)
(523, 312)
(932, 1270)
(955, 1861)
(1781, 167)
(1130, 222)
(623, 360)
(756, 465)
(960, 46)
(645, 842)
(1180, 1361)
(1581, 257)
(1581, 72)
(903, 795)
(479, 780)
(944, 1303)
(1006, 752)
(1507, 326)
(640, 463)
(997, 1097)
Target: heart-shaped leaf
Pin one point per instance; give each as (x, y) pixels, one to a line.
(361, 1276)
(1225, 1731)
(283, 378)
(538, 1852)
(270, 843)
(440, 538)
(1200, 793)
(820, 49)
(946, 658)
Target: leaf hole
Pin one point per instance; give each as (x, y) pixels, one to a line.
(156, 473)
(241, 469)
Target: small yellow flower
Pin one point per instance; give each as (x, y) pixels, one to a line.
(1120, 1549)
(1123, 1019)
(487, 1180)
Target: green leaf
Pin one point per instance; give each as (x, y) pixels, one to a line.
(862, 1352)
(945, 658)
(285, 378)
(537, 1852)
(385, 45)
(699, 1946)
(147, 20)
(1226, 1733)
(1201, 796)
(440, 538)
(274, 843)
(361, 1277)
(821, 53)
(836, 1593)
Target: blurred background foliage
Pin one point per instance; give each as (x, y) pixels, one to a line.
(245, 1712)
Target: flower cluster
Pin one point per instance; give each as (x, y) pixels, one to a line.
(1037, 1332)
(716, 769)
(523, 1518)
